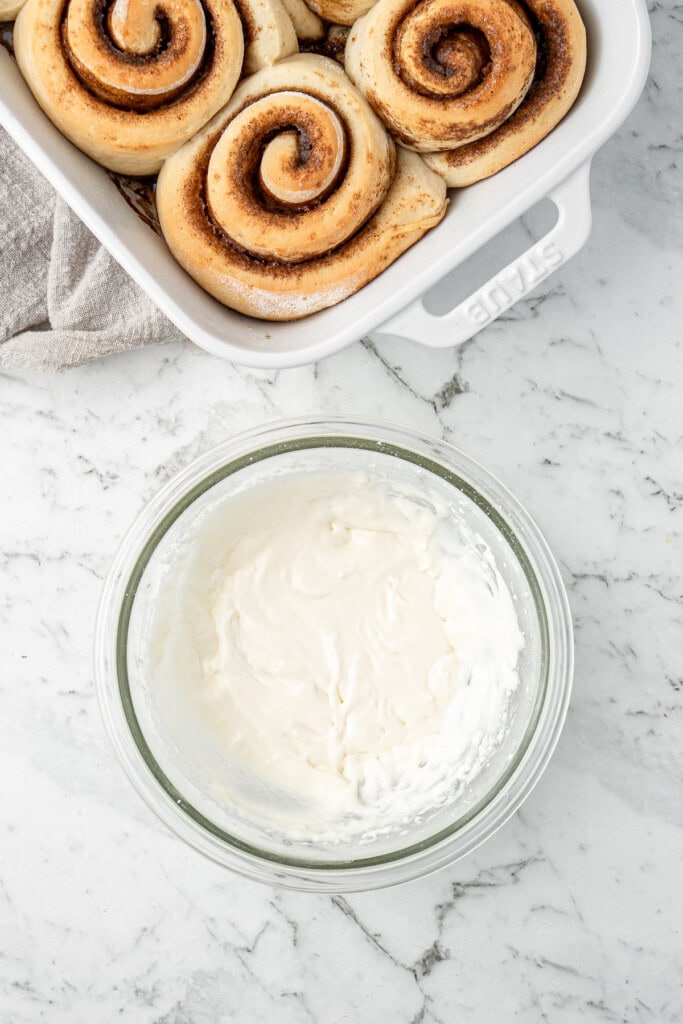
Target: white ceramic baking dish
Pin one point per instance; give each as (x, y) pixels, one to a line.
(391, 305)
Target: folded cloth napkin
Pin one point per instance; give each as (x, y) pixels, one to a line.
(63, 299)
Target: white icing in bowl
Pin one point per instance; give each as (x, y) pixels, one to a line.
(404, 818)
(347, 644)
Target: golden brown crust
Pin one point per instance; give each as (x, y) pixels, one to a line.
(129, 110)
(10, 8)
(557, 80)
(340, 12)
(269, 34)
(276, 257)
(442, 73)
(129, 82)
(307, 24)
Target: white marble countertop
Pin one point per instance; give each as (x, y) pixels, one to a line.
(573, 911)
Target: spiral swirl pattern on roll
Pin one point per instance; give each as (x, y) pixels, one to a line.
(130, 81)
(441, 73)
(559, 72)
(293, 197)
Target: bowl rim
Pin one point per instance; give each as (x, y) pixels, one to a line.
(529, 548)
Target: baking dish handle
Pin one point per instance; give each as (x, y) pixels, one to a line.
(521, 276)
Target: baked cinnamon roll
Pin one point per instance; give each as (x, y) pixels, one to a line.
(10, 8)
(340, 12)
(269, 34)
(294, 196)
(307, 25)
(441, 73)
(130, 81)
(559, 72)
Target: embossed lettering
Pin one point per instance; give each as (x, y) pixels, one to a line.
(536, 271)
(498, 297)
(511, 284)
(515, 280)
(552, 255)
(477, 312)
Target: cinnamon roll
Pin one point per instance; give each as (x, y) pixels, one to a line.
(332, 44)
(10, 8)
(340, 12)
(294, 196)
(559, 72)
(307, 25)
(130, 81)
(441, 73)
(269, 34)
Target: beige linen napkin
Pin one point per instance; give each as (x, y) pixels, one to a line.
(63, 299)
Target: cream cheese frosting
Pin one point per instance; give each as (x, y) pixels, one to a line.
(347, 644)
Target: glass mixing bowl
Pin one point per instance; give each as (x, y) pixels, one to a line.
(535, 714)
